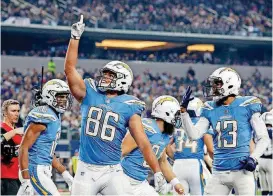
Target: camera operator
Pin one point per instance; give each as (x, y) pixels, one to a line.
(10, 141)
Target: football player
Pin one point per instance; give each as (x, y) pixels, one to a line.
(188, 157)
(265, 162)
(42, 131)
(232, 118)
(107, 111)
(159, 129)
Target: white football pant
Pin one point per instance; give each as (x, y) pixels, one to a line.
(265, 174)
(190, 173)
(40, 178)
(141, 187)
(100, 179)
(221, 183)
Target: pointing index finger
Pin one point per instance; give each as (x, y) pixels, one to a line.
(81, 20)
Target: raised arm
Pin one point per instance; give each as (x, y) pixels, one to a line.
(75, 81)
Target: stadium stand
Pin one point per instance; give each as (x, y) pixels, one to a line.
(238, 17)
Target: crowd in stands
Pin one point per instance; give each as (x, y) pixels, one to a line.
(232, 17)
(146, 86)
(153, 56)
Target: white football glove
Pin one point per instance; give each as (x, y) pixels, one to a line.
(68, 179)
(25, 188)
(160, 182)
(77, 29)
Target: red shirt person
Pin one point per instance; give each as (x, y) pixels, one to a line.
(10, 141)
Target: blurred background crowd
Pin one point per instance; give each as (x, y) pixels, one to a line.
(229, 17)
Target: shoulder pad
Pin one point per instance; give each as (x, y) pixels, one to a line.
(91, 83)
(148, 125)
(43, 113)
(135, 102)
(250, 100)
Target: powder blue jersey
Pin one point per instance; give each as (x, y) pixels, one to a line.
(187, 149)
(104, 123)
(134, 164)
(232, 130)
(42, 151)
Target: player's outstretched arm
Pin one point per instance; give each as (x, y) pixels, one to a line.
(62, 170)
(263, 140)
(137, 132)
(75, 81)
(169, 175)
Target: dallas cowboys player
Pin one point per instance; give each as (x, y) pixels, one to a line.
(106, 113)
(189, 164)
(42, 131)
(165, 117)
(265, 162)
(232, 118)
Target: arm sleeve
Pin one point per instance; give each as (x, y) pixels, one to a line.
(196, 131)
(262, 139)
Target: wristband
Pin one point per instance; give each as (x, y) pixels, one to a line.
(24, 170)
(174, 182)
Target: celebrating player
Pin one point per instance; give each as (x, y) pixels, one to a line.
(42, 131)
(165, 117)
(107, 111)
(189, 164)
(232, 118)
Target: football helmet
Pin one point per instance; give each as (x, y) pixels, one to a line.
(167, 108)
(194, 107)
(121, 82)
(51, 90)
(222, 83)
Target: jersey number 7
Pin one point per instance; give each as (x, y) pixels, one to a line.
(107, 132)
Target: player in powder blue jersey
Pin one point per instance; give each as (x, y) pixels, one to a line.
(232, 119)
(107, 111)
(188, 156)
(42, 131)
(159, 129)
(265, 162)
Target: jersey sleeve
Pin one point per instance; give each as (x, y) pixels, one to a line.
(210, 131)
(253, 105)
(135, 107)
(41, 115)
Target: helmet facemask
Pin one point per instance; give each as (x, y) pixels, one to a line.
(62, 101)
(113, 76)
(213, 87)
